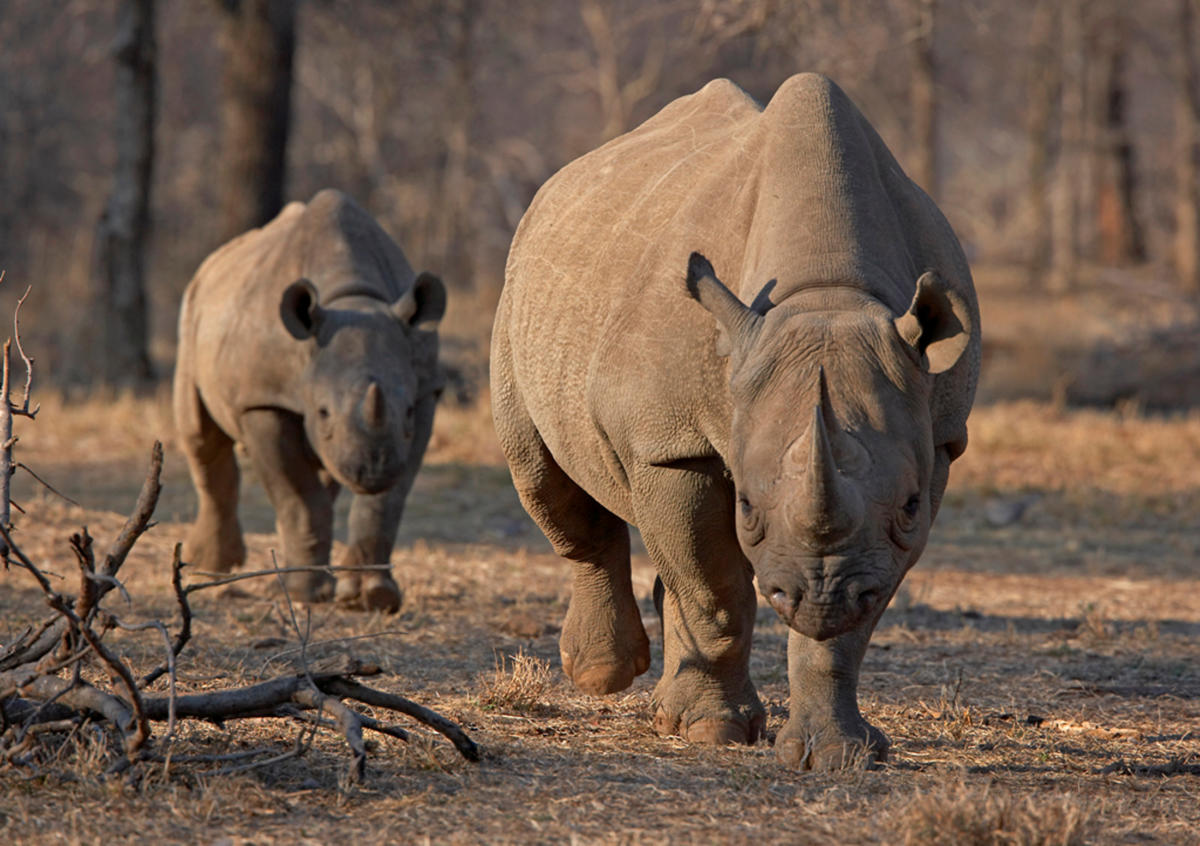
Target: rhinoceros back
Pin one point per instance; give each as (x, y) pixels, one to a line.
(612, 359)
(603, 246)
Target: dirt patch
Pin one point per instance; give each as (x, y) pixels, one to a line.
(1035, 674)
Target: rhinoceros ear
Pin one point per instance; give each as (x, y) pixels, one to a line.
(423, 304)
(937, 324)
(739, 323)
(300, 311)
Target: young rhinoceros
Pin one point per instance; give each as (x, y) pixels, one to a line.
(804, 439)
(312, 344)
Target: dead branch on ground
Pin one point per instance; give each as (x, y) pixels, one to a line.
(51, 675)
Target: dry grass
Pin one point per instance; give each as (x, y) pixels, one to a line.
(959, 815)
(1022, 446)
(518, 683)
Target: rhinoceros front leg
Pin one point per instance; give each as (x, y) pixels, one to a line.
(705, 694)
(303, 502)
(374, 521)
(825, 730)
(214, 542)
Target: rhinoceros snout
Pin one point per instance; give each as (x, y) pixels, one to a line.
(821, 614)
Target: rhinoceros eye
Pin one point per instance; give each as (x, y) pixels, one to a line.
(750, 520)
(906, 520)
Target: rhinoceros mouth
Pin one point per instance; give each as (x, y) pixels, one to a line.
(822, 621)
(823, 627)
(369, 488)
(366, 480)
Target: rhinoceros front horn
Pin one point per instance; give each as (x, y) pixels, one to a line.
(374, 407)
(830, 507)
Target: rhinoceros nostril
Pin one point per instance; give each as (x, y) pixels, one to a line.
(865, 598)
(784, 603)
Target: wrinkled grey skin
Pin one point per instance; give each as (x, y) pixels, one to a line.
(312, 344)
(804, 439)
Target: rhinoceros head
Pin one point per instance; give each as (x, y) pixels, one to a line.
(831, 442)
(360, 388)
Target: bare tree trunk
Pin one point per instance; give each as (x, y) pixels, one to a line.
(617, 98)
(1069, 172)
(5, 187)
(452, 236)
(924, 99)
(122, 231)
(1120, 231)
(1187, 203)
(258, 42)
(1043, 89)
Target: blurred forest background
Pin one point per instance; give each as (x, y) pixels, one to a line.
(1060, 138)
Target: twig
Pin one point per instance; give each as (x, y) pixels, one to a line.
(45, 485)
(119, 671)
(24, 561)
(112, 582)
(67, 724)
(132, 530)
(13, 680)
(383, 728)
(28, 362)
(139, 521)
(81, 696)
(185, 626)
(302, 745)
(89, 590)
(6, 445)
(349, 722)
(303, 637)
(350, 689)
(166, 636)
(28, 667)
(258, 574)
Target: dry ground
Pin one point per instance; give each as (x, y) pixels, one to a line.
(1038, 673)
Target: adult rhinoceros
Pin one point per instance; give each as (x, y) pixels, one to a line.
(313, 344)
(803, 439)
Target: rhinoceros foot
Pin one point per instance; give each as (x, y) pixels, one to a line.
(703, 721)
(806, 745)
(603, 652)
(377, 592)
(381, 593)
(211, 549)
(309, 586)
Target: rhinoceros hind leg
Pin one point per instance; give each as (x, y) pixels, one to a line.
(603, 644)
